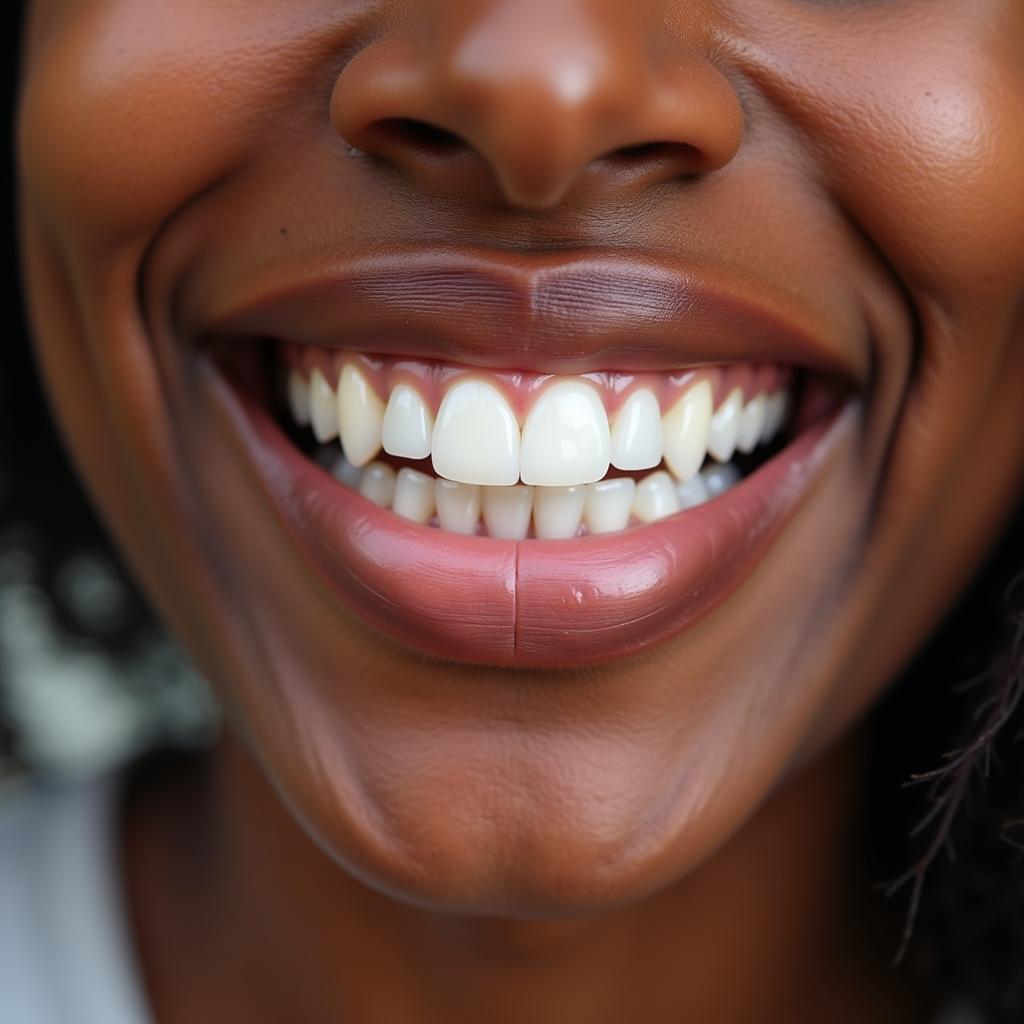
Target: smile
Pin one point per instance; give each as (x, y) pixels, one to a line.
(520, 516)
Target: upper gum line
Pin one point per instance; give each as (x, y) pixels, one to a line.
(521, 389)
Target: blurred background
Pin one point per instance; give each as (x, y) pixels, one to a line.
(88, 679)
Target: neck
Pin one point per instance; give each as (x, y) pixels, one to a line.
(765, 930)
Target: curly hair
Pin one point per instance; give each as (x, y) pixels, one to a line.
(944, 798)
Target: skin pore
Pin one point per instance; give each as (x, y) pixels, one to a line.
(385, 835)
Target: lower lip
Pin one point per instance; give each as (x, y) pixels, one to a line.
(526, 603)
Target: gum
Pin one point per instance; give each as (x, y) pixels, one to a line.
(521, 388)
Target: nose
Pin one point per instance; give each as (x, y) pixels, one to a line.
(535, 95)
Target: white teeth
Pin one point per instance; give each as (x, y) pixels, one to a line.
(458, 506)
(636, 432)
(725, 427)
(686, 428)
(507, 511)
(298, 398)
(414, 496)
(323, 408)
(775, 415)
(692, 492)
(476, 438)
(719, 479)
(557, 511)
(655, 498)
(566, 439)
(360, 415)
(378, 484)
(752, 422)
(609, 504)
(408, 425)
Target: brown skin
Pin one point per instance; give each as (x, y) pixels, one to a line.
(655, 840)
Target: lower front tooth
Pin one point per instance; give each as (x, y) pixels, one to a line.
(378, 484)
(507, 511)
(458, 506)
(692, 492)
(725, 427)
(414, 496)
(719, 479)
(655, 498)
(609, 504)
(557, 511)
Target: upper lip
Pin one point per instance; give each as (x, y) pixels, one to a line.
(555, 312)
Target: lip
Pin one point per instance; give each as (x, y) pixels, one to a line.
(528, 603)
(555, 312)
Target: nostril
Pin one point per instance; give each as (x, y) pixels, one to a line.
(420, 135)
(655, 153)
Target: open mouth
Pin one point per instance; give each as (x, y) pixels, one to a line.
(518, 455)
(559, 515)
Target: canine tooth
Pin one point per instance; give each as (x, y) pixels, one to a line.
(458, 506)
(655, 498)
(566, 440)
(414, 496)
(360, 415)
(408, 424)
(720, 479)
(751, 424)
(636, 432)
(686, 428)
(323, 408)
(609, 504)
(725, 427)
(692, 492)
(378, 484)
(298, 398)
(343, 470)
(507, 511)
(557, 511)
(476, 438)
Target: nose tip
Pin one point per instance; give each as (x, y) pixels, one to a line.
(535, 96)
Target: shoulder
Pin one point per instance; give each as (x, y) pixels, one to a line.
(64, 949)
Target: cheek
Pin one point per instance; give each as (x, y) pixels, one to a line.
(130, 108)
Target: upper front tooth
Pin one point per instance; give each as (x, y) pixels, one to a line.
(408, 424)
(636, 432)
(778, 407)
(360, 415)
(566, 439)
(298, 398)
(687, 427)
(323, 408)
(476, 438)
(725, 427)
(751, 424)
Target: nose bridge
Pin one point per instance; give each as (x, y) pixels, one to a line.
(540, 90)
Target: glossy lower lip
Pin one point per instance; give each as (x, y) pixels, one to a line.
(527, 603)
